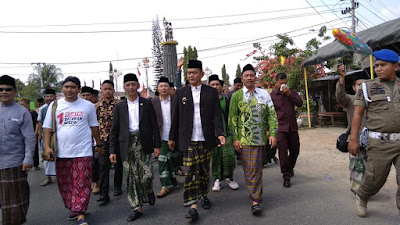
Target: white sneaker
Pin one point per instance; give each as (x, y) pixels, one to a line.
(232, 184)
(217, 185)
(361, 207)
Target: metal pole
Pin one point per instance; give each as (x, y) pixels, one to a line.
(308, 104)
(353, 17)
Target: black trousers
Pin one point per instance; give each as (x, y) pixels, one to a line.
(105, 166)
(95, 166)
(36, 155)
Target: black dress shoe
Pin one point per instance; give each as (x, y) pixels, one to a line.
(286, 183)
(192, 214)
(103, 200)
(292, 172)
(205, 203)
(256, 209)
(134, 216)
(117, 192)
(152, 199)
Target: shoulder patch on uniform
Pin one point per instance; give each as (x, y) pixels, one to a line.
(376, 89)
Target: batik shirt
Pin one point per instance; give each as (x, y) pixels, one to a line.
(249, 116)
(105, 113)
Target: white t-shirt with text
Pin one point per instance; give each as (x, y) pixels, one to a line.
(74, 120)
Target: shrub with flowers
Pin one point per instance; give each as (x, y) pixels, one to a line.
(290, 65)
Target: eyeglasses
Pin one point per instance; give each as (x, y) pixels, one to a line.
(6, 89)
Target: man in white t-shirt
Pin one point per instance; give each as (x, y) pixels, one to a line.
(76, 123)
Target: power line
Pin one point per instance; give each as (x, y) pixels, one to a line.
(377, 10)
(148, 21)
(373, 13)
(317, 12)
(202, 50)
(178, 28)
(332, 11)
(388, 9)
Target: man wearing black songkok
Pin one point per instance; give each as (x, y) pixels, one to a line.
(135, 135)
(197, 121)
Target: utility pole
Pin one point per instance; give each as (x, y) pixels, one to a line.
(40, 76)
(352, 11)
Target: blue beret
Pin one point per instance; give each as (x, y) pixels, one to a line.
(386, 55)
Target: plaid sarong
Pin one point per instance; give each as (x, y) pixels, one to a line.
(357, 169)
(74, 179)
(252, 161)
(166, 167)
(138, 170)
(14, 195)
(196, 161)
(223, 160)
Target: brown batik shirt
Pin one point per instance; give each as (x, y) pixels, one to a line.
(105, 113)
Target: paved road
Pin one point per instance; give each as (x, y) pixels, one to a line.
(316, 197)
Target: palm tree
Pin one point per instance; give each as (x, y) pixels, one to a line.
(51, 75)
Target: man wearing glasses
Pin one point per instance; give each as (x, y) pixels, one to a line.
(17, 146)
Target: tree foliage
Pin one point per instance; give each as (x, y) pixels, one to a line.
(225, 76)
(51, 76)
(283, 58)
(157, 50)
(238, 71)
(189, 53)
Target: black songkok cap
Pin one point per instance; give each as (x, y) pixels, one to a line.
(130, 77)
(163, 79)
(195, 64)
(74, 80)
(108, 82)
(95, 92)
(49, 91)
(237, 80)
(7, 80)
(86, 89)
(248, 67)
(212, 78)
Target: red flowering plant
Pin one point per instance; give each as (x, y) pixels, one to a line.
(291, 65)
(282, 59)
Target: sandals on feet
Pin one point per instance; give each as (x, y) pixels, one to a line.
(164, 192)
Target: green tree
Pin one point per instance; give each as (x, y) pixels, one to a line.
(189, 53)
(224, 75)
(292, 61)
(238, 71)
(31, 90)
(51, 75)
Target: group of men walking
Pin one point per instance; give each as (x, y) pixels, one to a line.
(197, 123)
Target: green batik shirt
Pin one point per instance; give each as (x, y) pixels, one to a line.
(250, 115)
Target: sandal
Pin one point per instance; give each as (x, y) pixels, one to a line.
(180, 172)
(164, 192)
(46, 182)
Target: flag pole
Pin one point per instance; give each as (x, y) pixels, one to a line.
(371, 66)
(308, 104)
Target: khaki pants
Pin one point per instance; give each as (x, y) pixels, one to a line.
(381, 156)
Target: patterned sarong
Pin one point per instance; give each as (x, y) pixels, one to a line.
(252, 161)
(196, 161)
(14, 195)
(166, 167)
(74, 179)
(138, 170)
(223, 160)
(357, 169)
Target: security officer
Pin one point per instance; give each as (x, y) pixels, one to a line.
(380, 98)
